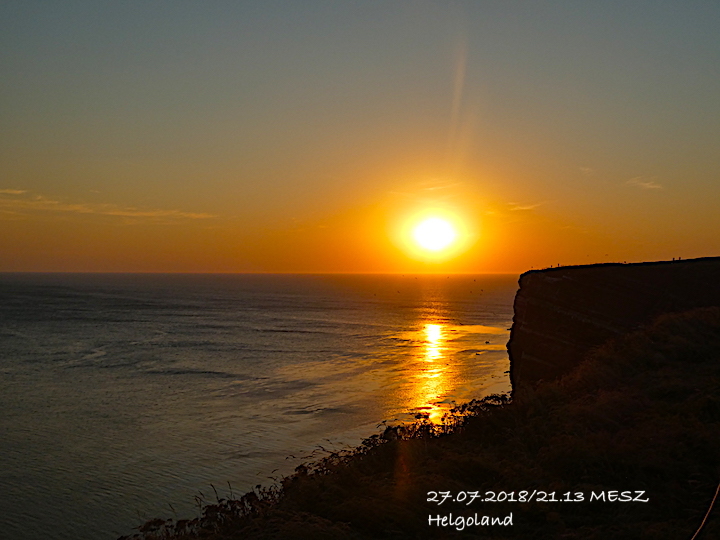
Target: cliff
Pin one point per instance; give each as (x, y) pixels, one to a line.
(563, 313)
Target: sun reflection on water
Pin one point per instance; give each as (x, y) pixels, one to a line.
(432, 379)
(452, 363)
(434, 341)
(443, 358)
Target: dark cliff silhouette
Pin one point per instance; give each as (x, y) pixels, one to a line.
(561, 314)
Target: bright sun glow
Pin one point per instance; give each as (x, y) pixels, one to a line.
(434, 234)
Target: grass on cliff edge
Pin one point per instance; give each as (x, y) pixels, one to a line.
(640, 414)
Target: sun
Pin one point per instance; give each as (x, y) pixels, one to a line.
(434, 234)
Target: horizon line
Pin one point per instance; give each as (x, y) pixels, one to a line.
(260, 273)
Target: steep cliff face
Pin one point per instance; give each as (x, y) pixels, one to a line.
(563, 313)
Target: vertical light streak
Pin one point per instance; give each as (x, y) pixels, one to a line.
(432, 380)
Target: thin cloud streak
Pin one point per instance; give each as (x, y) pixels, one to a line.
(516, 206)
(644, 184)
(39, 203)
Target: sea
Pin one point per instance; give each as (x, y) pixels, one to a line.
(126, 397)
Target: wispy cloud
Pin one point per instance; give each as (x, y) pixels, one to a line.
(441, 186)
(40, 204)
(587, 171)
(515, 206)
(643, 183)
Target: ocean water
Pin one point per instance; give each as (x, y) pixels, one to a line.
(124, 397)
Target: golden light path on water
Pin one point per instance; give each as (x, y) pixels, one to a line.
(442, 371)
(422, 363)
(433, 377)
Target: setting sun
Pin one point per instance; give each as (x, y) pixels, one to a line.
(434, 234)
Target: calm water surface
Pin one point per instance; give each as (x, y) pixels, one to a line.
(124, 396)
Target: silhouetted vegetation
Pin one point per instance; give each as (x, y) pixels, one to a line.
(641, 414)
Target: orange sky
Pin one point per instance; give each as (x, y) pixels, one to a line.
(301, 138)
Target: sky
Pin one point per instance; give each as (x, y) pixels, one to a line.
(285, 136)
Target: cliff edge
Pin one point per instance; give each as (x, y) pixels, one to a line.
(563, 313)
